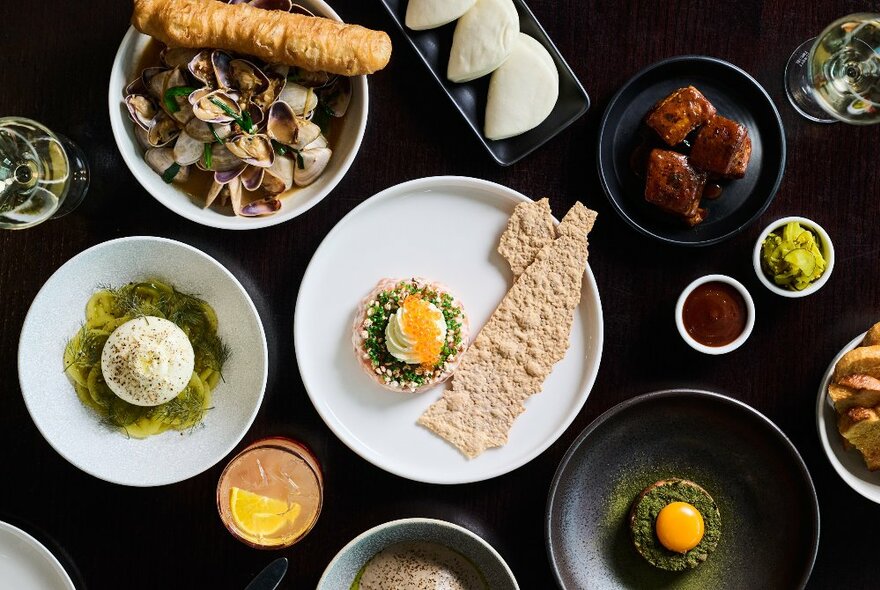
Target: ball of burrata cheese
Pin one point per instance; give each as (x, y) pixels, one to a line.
(147, 361)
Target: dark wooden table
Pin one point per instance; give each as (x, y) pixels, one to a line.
(55, 62)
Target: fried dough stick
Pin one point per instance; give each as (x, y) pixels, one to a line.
(312, 43)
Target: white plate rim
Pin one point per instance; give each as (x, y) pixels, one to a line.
(216, 457)
(41, 550)
(180, 203)
(822, 406)
(424, 184)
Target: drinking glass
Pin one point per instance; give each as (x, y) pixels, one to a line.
(836, 76)
(270, 495)
(42, 174)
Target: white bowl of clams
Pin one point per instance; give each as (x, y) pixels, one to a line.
(229, 140)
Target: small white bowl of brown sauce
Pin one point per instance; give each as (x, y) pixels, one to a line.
(715, 314)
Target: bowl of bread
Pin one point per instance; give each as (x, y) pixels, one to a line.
(848, 413)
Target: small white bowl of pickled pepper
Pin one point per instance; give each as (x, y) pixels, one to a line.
(793, 257)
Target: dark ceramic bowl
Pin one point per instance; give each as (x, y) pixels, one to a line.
(469, 98)
(736, 95)
(768, 505)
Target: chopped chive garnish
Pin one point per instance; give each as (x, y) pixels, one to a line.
(214, 133)
(170, 172)
(171, 94)
(300, 163)
(279, 148)
(244, 120)
(208, 154)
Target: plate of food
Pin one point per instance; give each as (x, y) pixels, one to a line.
(682, 489)
(495, 62)
(691, 150)
(438, 354)
(848, 413)
(26, 564)
(142, 361)
(419, 550)
(228, 114)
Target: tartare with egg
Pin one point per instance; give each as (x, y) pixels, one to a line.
(409, 334)
(147, 358)
(675, 524)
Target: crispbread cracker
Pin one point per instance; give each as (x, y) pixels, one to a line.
(530, 228)
(517, 348)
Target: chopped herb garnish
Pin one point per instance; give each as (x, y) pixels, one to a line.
(171, 172)
(171, 94)
(279, 148)
(300, 163)
(244, 119)
(208, 154)
(214, 133)
(322, 117)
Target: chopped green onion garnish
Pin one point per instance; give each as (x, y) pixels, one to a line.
(171, 172)
(214, 133)
(322, 117)
(243, 120)
(300, 163)
(279, 148)
(172, 93)
(208, 153)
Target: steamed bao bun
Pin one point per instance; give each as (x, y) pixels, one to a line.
(483, 39)
(523, 91)
(430, 14)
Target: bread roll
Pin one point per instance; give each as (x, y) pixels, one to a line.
(312, 43)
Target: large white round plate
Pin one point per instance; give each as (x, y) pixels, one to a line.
(348, 142)
(445, 229)
(26, 564)
(75, 431)
(848, 464)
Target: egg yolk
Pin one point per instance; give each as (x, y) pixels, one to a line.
(679, 527)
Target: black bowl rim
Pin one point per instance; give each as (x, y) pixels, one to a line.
(673, 393)
(603, 125)
(487, 143)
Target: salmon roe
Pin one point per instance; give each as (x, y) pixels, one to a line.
(420, 324)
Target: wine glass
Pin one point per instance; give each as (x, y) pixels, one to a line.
(836, 76)
(42, 174)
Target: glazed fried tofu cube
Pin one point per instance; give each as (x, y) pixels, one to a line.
(679, 113)
(722, 148)
(673, 184)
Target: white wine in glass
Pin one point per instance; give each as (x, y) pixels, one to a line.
(836, 76)
(42, 175)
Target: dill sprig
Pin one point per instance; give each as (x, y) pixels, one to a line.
(86, 348)
(213, 352)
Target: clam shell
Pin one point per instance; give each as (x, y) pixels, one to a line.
(255, 150)
(163, 130)
(265, 206)
(204, 107)
(202, 130)
(188, 150)
(160, 159)
(141, 109)
(314, 162)
(301, 99)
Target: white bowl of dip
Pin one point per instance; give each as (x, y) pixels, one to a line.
(353, 558)
(749, 311)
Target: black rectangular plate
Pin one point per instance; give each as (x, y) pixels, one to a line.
(469, 98)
